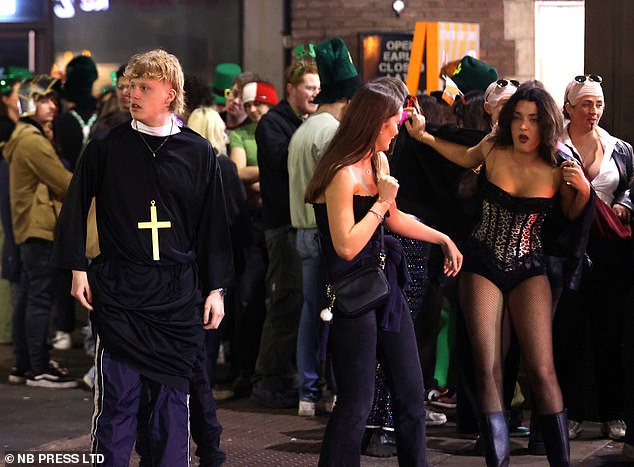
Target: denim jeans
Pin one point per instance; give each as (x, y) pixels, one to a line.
(313, 284)
(32, 314)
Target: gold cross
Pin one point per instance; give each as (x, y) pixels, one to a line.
(154, 224)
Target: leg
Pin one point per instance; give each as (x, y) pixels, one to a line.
(308, 364)
(205, 428)
(530, 307)
(408, 395)
(20, 347)
(168, 426)
(353, 344)
(117, 394)
(279, 333)
(36, 263)
(483, 305)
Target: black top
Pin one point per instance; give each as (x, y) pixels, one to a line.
(147, 312)
(69, 137)
(273, 133)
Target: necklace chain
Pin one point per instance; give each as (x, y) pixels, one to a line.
(160, 145)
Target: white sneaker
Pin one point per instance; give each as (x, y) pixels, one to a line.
(307, 409)
(613, 429)
(574, 429)
(62, 341)
(435, 418)
(329, 403)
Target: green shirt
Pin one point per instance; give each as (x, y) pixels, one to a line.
(244, 137)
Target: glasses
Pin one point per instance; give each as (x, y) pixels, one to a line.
(582, 78)
(227, 93)
(502, 83)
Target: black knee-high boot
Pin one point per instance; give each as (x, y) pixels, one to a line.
(494, 432)
(555, 432)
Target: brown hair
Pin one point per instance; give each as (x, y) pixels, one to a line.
(549, 119)
(370, 107)
(162, 66)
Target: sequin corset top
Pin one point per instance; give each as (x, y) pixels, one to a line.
(510, 227)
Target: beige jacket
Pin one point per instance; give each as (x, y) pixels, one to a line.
(37, 183)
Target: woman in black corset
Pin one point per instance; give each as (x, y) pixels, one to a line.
(353, 193)
(504, 266)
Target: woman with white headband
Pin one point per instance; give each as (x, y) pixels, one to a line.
(607, 163)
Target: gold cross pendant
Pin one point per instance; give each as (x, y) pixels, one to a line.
(154, 224)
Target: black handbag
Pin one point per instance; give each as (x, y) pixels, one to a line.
(363, 289)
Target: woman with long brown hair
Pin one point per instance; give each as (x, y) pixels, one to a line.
(353, 194)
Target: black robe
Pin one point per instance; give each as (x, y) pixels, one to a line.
(147, 312)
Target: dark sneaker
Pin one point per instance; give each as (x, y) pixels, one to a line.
(16, 376)
(275, 399)
(52, 378)
(380, 443)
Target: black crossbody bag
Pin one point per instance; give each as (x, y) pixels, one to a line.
(361, 290)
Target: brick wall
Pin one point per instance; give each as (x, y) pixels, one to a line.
(317, 20)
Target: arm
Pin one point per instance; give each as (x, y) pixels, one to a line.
(248, 174)
(47, 167)
(214, 253)
(214, 306)
(70, 236)
(348, 237)
(80, 289)
(574, 189)
(456, 153)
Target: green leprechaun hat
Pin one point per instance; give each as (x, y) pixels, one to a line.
(337, 74)
(224, 75)
(472, 74)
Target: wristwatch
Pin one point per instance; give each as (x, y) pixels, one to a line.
(222, 291)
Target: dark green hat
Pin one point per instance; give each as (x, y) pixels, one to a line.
(473, 74)
(224, 75)
(337, 74)
(10, 75)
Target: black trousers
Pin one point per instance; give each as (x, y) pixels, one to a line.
(353, 343)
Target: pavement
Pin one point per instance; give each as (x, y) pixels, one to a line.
(54, 420)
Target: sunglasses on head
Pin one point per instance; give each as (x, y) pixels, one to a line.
(502, 83)
(582, 78)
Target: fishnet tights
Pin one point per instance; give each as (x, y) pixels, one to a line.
(530, 310)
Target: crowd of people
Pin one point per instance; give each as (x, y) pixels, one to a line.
(200, 222)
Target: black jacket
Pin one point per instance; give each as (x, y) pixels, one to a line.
(272, 136)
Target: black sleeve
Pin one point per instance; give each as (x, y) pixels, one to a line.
(70, 238)
(214, 252)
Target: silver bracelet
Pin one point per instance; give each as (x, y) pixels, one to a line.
(380, 217)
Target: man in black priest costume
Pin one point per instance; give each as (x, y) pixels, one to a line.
(165, 261)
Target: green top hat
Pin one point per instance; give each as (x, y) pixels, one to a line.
(337, 74)
(224, 75)
(473, 74)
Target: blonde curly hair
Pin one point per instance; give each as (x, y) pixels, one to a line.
(162, 66)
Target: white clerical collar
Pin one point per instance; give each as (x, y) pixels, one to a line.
(170, 128)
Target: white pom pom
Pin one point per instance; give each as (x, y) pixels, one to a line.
(326, 314)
